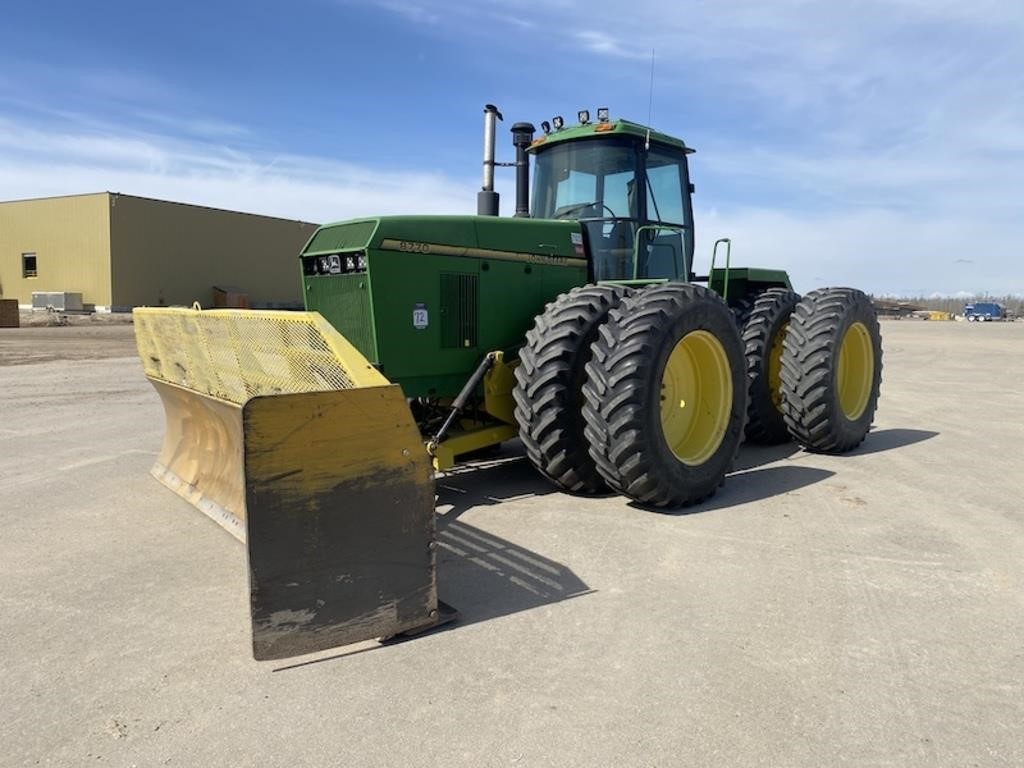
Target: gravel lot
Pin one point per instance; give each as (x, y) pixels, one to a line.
(864, 610)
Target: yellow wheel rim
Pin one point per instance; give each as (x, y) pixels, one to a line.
(696, 397)
(775, 368)
(856, 371)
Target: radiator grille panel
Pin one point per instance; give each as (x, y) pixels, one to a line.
(459, 310)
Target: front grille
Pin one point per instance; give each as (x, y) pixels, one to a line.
(459, 310)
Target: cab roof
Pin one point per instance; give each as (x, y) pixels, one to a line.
(611, 128)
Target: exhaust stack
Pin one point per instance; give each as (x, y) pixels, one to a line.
(522, 137)
(487, 198)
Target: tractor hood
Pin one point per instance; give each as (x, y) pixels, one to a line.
(451, 235)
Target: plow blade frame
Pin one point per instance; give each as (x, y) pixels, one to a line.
(329, 486)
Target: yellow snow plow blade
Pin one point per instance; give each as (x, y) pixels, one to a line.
(282, 432)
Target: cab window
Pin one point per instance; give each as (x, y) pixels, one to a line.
(665, 188)
(585, 180)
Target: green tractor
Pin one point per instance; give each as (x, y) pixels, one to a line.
(581, 325)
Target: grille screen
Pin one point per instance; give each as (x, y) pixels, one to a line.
(459, 310)
(345, 302)
(236, 354)
(342, 237)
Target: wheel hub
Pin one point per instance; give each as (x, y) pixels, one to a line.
(696, 397)
(855, 372)
(775, 368)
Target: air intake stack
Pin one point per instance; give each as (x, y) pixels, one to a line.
(522, 137)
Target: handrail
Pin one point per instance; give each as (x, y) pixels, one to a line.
(728, 259)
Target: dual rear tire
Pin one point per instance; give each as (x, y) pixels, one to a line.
(638, 392)
(663, 396)
(764, 332)
(813, 368)
(831, 370)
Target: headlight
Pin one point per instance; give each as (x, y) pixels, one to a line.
(335, 264)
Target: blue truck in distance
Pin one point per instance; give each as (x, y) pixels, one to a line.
(984, 311)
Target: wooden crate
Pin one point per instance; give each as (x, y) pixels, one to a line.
(9, 317)
(230, 298)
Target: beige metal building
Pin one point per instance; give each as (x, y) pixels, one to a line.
(121, 251)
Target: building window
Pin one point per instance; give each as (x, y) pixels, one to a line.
(28, 265)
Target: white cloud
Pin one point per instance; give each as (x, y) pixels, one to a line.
(875, 249)
(201, 127)
(596, 41)
(515, 21)
(497, 13)
(38, 162)
(417, 13)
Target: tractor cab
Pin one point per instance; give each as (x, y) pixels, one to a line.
(630, 190)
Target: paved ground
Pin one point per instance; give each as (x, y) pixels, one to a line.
(865, 610)
(40, 342)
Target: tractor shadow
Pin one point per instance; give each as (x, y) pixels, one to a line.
(888, 439)
(752, 485)
(752, 456)
(745, 486)
(504, 477)
(482, 575)
(751, 480)
(485, 576)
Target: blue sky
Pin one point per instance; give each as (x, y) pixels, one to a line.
(876, 144)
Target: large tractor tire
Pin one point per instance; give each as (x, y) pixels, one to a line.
(549, 380)
(763, 335)
(831, 370)
(742, 307)
(665, 397)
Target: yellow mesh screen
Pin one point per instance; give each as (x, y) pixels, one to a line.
(235, 354)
